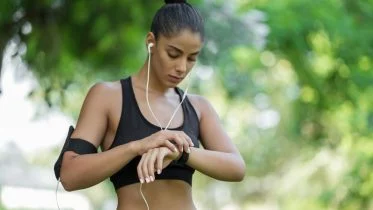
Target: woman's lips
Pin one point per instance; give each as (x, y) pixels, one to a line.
(174, 79)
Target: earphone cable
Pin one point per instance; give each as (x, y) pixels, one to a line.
(151, 110)
(147, 97)
(147, 91)
(143, 197)
(58, 182)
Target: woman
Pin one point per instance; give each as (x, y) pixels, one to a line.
(148, 129)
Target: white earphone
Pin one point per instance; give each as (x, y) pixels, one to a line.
(150, 45)
(151, 111)
(147, 90)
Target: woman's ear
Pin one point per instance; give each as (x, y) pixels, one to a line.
(150, 39)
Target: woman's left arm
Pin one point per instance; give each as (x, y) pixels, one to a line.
(220, 159)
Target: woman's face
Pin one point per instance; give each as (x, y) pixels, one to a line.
(174, 57)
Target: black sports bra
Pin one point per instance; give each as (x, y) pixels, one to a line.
(134, 126)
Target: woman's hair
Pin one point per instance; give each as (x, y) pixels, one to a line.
(175, 16)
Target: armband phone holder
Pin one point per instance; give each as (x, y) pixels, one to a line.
(57, 165)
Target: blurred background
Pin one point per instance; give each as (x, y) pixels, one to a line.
(291, 80)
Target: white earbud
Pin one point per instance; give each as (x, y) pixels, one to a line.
(149, 46)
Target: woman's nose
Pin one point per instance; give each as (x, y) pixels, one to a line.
(181, 65)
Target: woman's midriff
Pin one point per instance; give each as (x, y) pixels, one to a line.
(160, 195)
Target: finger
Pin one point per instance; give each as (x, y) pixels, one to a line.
(139, 171)
(170, 145)
(172, 137)
(151, 161)
(179, 141)
(159, 161)
(189, 142)
(185, 141)
(144, 167)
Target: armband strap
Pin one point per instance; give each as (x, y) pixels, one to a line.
(79, 146)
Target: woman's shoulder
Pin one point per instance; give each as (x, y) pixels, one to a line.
(200, 103)
(199, 100)
(104, 91)
(105, 87)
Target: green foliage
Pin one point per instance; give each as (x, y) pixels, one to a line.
(328, 44)
(78, 42)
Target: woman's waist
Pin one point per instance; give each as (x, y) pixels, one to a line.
(160, 194)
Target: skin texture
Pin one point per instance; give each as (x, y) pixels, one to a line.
(171, 59)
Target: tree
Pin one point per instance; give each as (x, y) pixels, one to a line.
(327, 46)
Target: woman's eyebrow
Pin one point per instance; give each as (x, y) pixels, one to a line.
(180, 51)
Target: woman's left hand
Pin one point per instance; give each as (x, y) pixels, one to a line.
(155, 159)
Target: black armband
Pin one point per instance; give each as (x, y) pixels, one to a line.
(79, 146)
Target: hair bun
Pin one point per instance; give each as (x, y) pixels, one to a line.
(175, 1)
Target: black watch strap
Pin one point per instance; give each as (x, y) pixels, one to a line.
(183, 158)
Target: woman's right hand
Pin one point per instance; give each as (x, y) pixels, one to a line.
(155, 160)
(174, 140)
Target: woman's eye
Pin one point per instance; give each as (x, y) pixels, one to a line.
(192, 59)
(172, 55)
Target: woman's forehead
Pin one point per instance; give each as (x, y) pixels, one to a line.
(185, 39)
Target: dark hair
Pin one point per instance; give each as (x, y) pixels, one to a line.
(175, 16)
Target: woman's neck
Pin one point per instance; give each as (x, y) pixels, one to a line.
(155, 86)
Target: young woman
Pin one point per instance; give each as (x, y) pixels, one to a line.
(150, 130)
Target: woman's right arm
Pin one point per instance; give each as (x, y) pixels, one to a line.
(82, 171)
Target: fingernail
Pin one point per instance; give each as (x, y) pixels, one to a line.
(142, 181)
(159, 171)
(188, 151)
(175, 149)
(152, 178)
(147, 180)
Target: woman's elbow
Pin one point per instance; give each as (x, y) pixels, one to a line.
(240, 175)
(234, 176)
(66, 183)
(240, 171)
(68, 173)
(68, 188)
